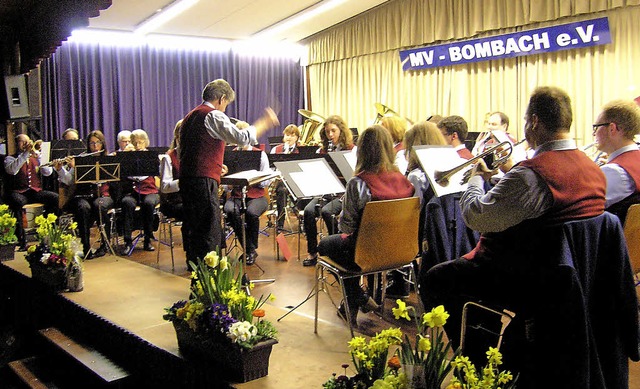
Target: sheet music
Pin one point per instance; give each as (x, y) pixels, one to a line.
(45, 152)
(351, 158)
(441, 158)
(316, 179)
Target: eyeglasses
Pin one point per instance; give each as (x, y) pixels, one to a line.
(98, 143)
(598, 125)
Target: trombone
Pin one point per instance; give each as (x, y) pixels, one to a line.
(493, 157)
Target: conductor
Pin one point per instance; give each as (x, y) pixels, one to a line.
(205, 132)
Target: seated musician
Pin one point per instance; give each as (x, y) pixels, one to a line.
(376, 178)
(170, 198)
(256, 203)
(454, 129)
(497, 126)
(397, 127)
(560, 183)
(335, 136)
(145, 194)
(70, 134)
(289, 145)
(614, 130)
(89, 198)
(24, 185)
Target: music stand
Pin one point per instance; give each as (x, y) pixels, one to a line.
(309, 178)
(97, 170)
(241, 160)
(441, 158)
(245, 179)
(345, 162)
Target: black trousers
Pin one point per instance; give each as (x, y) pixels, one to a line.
(315, 208)
(147, 208)
(202, 214)
(255, 208)
(85, 211)
(17, 200)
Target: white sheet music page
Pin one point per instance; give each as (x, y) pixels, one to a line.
(316, 179)
(351, 158)
(441, 158)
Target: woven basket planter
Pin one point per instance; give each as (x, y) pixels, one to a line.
(233, 362)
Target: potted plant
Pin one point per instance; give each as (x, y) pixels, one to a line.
(8, 237)
(55, 258)
(221, 325)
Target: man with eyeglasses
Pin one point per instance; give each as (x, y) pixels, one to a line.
(614, 131)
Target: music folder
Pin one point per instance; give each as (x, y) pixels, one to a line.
(345, 162)
(310, 178)
(241, 160)
(441, 158)
(247, 177)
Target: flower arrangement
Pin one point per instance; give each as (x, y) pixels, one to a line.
(466, 376)
(7, 226)
(219, 307)
(56, 247)
(371, 364)
(429, 350)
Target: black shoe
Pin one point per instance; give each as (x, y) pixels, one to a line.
(342, 312)
(100, 252)
(369, 305)
(148, 247)
(310, 261)
(397, 290)
(251, 258)
(90, 255)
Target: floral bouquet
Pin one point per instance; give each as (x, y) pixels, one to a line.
(427, 356)
(56, 253)
(371, 363)
(7, 226)
(467, 377)
(219, 306)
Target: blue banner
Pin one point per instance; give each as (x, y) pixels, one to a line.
(542, 40)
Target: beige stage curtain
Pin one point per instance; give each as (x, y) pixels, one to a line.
(356, 64)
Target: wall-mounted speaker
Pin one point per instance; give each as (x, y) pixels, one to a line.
(17, 98)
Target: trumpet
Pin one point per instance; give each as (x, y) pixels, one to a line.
(442, 177)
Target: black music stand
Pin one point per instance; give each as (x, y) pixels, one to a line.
(309, 178)
(64, 148)
(93, 170)
(241, 160)
(245, 179)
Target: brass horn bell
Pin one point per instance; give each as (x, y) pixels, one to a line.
(310, 126)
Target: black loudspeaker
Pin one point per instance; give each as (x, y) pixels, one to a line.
(17, 98)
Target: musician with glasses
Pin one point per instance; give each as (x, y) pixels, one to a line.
(531, 195)
(205, 131)
(24, 185)
(614, 131)
(89, 199)
(335, 136)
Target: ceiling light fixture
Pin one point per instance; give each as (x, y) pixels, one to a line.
(299, 18)
(164, 15)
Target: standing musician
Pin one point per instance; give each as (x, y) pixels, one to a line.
(289, 145)
(531, 195)
(204, 133)
(376, 178)
(454, 129)
(256, 204)
(335, 136)
(89, 199)
(145, 194)
(614, 131)
(24, 183)
(397, 126)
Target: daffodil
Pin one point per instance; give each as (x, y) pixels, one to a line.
(436, 318)
(401, 311)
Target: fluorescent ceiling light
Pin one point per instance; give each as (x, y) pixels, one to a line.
(164, 15)
(298, 18)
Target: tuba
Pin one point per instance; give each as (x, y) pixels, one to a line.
(383, 111)
(310, 126)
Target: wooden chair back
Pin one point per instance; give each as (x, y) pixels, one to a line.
(388, 234)
(632, 236)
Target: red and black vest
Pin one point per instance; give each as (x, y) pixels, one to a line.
(146, 186)
(279, 149)
(465, 153)
(200, 154)
(578, 187)
(387, 185)
(630, 162)
(27, 177)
